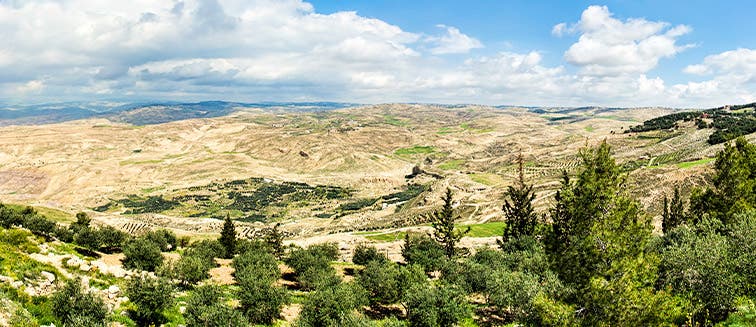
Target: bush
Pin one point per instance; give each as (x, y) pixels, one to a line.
(327, 306)
(436, 306)
(255, 272)
(188, 270)
(87, 238)
(424, 251)
(150, 296)
(260, 301)
(142, 254)
(382, 282)
(39, 225)
(208, 250)
(698, 263)
(206, 307)
(312, 266)
(72, 304)
(258, 261)
(111, 239)
(163, 238)
(387, 282)
(363, 254)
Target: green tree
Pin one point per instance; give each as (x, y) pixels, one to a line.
(674, 212)
(594, 222)
(312, 266)
(206, 307)
(382, 281)
(259, 299)
(228, 238)
(87, 238)
(423, 251)
(436, 306)
(518, 208)
(111, 239)
(363, 254)
(82, 221)
(72, 302)
(142, 254)
(444, 229)
(329, 306)
(734, 183)
(274, 237)
(151, 297)
(188, 270)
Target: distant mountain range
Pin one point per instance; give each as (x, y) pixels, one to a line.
(145, 113)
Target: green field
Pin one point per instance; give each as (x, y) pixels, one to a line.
(451, 164)
(689, 164)
(417, 149)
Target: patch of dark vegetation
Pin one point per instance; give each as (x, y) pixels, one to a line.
(728, 122)
(151, 204)
(409, 193)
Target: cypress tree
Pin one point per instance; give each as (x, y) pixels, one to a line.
(228, 237)
(443, 226)
(518, 208)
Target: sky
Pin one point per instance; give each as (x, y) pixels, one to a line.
(619, 53)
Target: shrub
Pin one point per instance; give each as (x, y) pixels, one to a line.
(363, 254)
(150, 296)
(163, 238)
(424, 251)
(382, 282)
(327, 306)
(39, 225)
(699, 264)
(208, 250)
(188, 270)
(260, 301)
(142, 254)
(111, 239)
(206, 307)
(436, 306)
(257, 261)
(72, 304)
(87, 238)
(312, 266)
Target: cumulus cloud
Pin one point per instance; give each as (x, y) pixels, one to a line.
(609, 46)
(453, 41)
(284, 50)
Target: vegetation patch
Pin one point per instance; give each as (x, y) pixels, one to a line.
(689, 164)
(417, 149)
(451, 164)
(728, 122)
(393, 120)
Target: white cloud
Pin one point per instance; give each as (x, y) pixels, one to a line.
(560, 29)
(609, 46)
(453, 41)
(31, 87)
(284, 50)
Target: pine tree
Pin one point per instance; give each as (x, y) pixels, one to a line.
(443, 226)
(518, 208)
(228, 237)
(274, 237)
(594, 223)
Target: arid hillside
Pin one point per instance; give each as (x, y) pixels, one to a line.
(330, 171)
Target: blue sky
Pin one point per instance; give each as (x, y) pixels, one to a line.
(560, 53)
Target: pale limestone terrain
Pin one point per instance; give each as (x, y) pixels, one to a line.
(78, 165)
